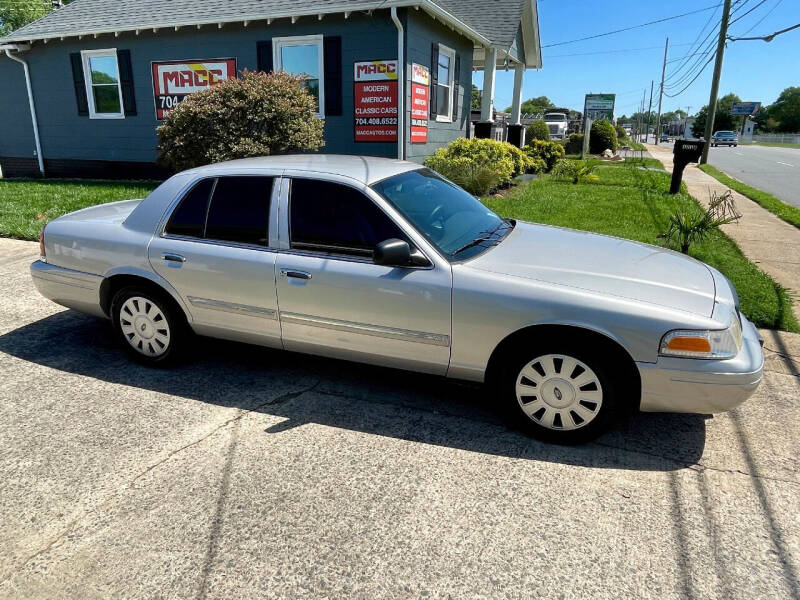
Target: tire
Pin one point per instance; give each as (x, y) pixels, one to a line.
(574, 396)
(148, 327)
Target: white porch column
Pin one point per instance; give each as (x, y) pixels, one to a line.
(516, 103)
(487, 98)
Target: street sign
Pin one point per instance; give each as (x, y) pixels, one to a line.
(599, 106)
(745, 108)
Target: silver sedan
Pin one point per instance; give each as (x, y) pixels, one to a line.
(385, 262)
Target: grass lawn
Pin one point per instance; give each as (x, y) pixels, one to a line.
(787, 212)
(632, 203)
(26, 205)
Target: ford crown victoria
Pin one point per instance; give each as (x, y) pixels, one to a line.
(385, 262)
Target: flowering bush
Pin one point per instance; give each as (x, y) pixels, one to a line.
(477, 165)
(258, 114)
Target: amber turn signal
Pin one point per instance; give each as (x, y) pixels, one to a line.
(689, 344)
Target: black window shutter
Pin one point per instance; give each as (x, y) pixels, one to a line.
(332, 54)
(80, 84)
(434, 78)
(126, 82)
(456, 77)
(264, 55)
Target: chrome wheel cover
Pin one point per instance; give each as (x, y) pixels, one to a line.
(144, 326)
(559, 392)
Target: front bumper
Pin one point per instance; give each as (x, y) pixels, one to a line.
(70, 288)
(689, 385)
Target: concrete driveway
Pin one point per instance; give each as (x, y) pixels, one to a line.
(251, 473)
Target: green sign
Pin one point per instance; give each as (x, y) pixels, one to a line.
(599, 106)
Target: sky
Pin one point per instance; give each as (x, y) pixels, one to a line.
(625, 63)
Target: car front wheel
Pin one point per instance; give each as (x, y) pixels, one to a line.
(564, 395)
(147, 326)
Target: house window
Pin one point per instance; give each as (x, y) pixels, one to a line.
(103, 91)
(445, 79)
(302, 55)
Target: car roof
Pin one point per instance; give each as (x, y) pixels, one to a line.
(365, 169)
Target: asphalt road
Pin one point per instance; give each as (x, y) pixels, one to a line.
(773, 170)
(251, 473)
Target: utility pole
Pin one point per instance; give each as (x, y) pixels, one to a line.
(712, 101)
(686, 120)
(661, 92)
(641, 111)
(649, 113)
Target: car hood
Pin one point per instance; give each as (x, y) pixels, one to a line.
(602, 264)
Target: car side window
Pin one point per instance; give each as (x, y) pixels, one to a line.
(239, 210)
(189, 218)
(335, 218)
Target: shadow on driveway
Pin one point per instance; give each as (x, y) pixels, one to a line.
(349, 396)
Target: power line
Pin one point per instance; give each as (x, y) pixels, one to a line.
(761, 20)
(740, 17)
(591, 37)
(700, 72)
(609, 51)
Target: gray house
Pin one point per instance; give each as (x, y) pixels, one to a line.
(83, 89)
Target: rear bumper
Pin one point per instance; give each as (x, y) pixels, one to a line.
(70, 288)
(703, 386)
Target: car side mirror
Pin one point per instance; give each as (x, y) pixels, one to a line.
(392, 253)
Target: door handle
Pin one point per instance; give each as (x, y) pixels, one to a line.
(169, 256)
(296, 274)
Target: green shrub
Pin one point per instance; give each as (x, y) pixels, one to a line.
(538, 130)
(575, 143)
(255, 115)
(477, 165)
(549, 152)
(621, 135)
(522, 162)
(602, 137)
(575, 171)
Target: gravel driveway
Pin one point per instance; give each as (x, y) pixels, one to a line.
(251, 473)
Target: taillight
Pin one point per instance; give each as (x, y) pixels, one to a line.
(42, 252)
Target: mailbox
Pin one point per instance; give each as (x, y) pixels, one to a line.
(684, 151)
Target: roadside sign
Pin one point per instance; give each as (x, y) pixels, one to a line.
(175, 80)
(745, 108)
(375, 101)
(599, 106)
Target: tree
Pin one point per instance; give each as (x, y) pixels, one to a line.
(786, 110)
(535, 106)
(475, 102)
(257, 114)
(723, 119)
(14, 14)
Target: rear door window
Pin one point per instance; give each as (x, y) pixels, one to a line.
(239, 210)
(229, 209)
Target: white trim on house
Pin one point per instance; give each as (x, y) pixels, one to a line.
(451, 54)
(87, 77)
(303, 40)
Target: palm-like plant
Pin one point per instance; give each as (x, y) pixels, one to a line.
(693, 224)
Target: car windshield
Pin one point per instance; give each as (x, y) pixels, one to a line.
(458, 224)
(555, 117)
(725, 134)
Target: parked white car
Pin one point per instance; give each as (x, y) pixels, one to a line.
(385, 262)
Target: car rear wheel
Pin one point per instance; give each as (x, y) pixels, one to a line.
(147, 326)
(564, 394)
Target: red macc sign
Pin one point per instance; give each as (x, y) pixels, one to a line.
(420, 99)
(174, 80)
(375, 101)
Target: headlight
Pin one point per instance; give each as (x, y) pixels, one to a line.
(715, 344)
